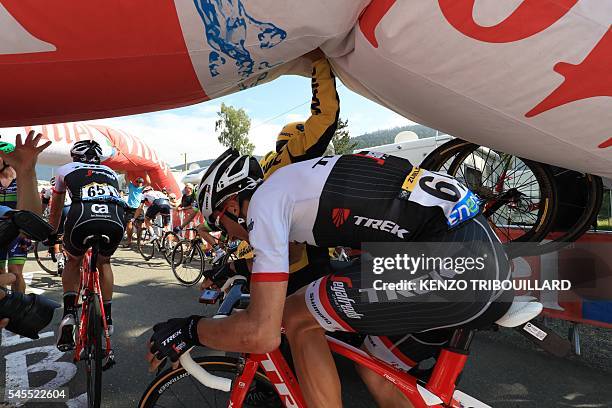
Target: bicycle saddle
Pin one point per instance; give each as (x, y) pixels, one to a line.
(522, 310)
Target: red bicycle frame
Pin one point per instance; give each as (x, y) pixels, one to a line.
(438, 391)
(90, 286)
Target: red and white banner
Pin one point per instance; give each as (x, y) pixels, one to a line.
(530, 77)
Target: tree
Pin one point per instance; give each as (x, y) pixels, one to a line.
(233, 126)
(341, 139)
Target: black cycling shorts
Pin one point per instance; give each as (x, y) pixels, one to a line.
(340, 303)
(159, 206)
(86, 219)
(65, 212)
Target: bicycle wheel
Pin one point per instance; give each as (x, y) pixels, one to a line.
(518, 196)
(94, 353)
(145, 246)
(178, 389)
(43, 258)
(169, 241)
(187, 262)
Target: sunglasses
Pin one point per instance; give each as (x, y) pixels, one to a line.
(217, 222)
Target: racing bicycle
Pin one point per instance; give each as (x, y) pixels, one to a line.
(189, 261)
(93, 342)
(164, 243)
(47, 259)
(258, 380)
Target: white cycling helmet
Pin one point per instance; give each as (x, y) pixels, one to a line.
(86, 151)
(228, 175)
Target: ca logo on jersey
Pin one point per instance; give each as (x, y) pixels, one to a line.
(99, 209)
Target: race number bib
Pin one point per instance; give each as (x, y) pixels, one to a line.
(430, 188)
(97, 191)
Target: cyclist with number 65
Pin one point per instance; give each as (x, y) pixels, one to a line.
(97, 210)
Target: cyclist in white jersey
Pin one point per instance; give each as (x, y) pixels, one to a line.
(156, 203)
(336, 201)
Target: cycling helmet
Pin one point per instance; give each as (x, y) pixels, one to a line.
(287, 133)
(86, 151)
(6, 147)
(228, 175)
(147, 189)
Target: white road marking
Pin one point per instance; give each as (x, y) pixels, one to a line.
(10, 339)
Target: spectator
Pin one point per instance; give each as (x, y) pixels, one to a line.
(133, 202)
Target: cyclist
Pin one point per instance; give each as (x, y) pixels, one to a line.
(17, 167)
(133, 202)
(339, 201)
(97, 209)
(15, 255)
(157, 203)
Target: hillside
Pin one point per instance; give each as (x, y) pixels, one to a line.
(386, 136)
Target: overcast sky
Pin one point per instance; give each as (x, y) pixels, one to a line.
(270, 106)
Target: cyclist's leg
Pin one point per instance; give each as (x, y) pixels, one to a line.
(205, 235)
(17, 254)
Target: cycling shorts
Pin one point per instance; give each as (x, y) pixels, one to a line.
(15, 253)
(160, 206)
(65, 210)
(86, 219)
(340, 303)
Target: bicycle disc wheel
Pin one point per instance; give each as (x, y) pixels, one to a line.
(169, 241)
(94, 354)
(187, 262)
(145, 246)
(179, 389)
(43, 258)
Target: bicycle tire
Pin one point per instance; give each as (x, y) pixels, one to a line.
(146, 248)
(184, 268)
(449, 156)
(44, 261)
(94, 353)
(170, 385)
(166, 246)
(548, 196)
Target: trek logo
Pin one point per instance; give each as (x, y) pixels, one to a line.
(340, 215)
(172, 337)
(99, 209)
(381, 225)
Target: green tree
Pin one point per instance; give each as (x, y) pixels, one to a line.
(233, 126)
(341, 140)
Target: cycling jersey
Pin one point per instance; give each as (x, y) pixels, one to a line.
(17, 251)
(88, 182)
(97, 207)
(346, 200)
(8, 194)
(150, 196)
(312, 142)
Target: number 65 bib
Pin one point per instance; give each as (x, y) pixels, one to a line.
(99, 191)
(434, 189)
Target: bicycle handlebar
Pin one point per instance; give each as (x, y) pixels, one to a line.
(233, 298)
(204, 377)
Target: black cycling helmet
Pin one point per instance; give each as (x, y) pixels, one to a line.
(228, 175)
(86, 151)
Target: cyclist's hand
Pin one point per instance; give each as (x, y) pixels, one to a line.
(51, 240)
(206, 284)
(171, 339)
